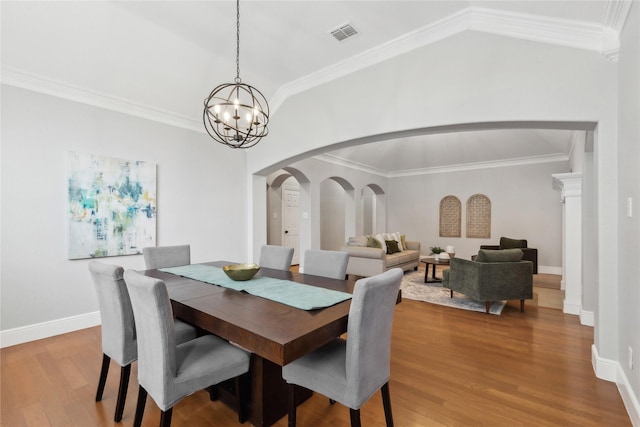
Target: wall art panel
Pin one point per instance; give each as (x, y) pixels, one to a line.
(112, 206)
(479, 216)
(450, 216)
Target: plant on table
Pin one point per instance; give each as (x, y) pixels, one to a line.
(436, 251)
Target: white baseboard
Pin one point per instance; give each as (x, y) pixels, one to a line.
(630, 400)
(610, 370)
(571, 308)
(587, 318)
(605, 369)
(550, 270)
(48, 329)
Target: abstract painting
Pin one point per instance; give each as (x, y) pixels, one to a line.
(112, 206)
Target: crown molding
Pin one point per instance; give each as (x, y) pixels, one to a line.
(339, 161)
(613, 23)
(610, 45)
(561, 32)
(616, 14)
(569, 184)
(575, 34)
(48, 86)
(439, 30)
(523, 161)
(574, 137)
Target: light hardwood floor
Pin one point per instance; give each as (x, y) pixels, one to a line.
(449, 368)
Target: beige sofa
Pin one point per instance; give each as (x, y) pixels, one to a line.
(368, 261)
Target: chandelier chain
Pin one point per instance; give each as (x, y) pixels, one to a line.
(236, 114)
(238, 41)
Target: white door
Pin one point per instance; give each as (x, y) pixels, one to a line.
(290, 221)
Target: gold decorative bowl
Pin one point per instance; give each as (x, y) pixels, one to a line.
(241, 272)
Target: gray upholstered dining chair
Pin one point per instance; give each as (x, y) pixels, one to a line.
(276, 257)
(166, 256)
(118, 328)
(168, 371)
(350, 371)
(331, 264)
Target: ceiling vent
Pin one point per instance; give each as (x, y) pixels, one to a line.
(343, 32)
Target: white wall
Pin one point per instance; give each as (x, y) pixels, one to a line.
(332, 215)
(201, 191)
(274, 213)
(368, 210)
(629, 187)
(274, 216)
(589, 237)
(523, 206)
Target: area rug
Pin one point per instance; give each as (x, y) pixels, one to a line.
(414, 288)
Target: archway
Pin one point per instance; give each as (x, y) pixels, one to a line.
(287, 206)
(372, 209)
(573, 125)
(337, 212)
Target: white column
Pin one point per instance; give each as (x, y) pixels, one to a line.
(570, 187)
(257, 216)
(381, 214)
(350, 216)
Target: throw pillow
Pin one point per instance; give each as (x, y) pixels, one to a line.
(393, 236)
(502, 255)
(383, 245)
(392, 246)
(403, 240)
(357, 241)
(396, 237)
(372, 242)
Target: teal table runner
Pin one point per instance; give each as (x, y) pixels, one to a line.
(287, 292)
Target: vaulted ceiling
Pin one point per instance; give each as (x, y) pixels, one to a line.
(160, 59)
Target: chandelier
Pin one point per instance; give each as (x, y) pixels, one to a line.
(236, 114)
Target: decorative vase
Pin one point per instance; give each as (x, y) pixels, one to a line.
(437, 257)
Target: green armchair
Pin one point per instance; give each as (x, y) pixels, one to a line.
(528, 254)
(494, 275)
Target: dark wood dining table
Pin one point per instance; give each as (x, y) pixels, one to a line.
(274, 333)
